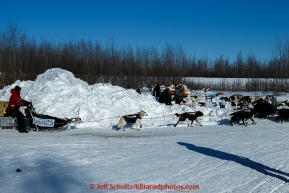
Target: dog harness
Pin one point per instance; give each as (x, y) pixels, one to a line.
(191, 115)
(131, 118)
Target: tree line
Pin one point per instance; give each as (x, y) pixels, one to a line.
(23, 58)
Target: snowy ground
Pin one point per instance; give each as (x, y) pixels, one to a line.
(214, 157)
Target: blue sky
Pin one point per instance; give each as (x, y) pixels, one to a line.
(204, 28)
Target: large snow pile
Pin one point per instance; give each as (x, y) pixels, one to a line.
(58, 93)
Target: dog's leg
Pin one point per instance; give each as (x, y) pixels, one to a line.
(177, 123)
(282, 118)
(253, 121)
(122, 127)
(191, 123)
(277, 118)
(121, 124)
(198, 122)
(232, 122)
(243, 119)
(118, 126)
(238, 120)
(138, 124)
(246, 121)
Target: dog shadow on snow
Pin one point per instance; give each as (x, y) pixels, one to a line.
(224, 122)
(272, 118)
(266, 170)
(228, 120)
(128, 126)
(114, 127)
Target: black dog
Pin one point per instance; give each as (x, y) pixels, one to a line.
(190, 115)
(234, 118)
(244, 114)
(263, 108)
(283, 114)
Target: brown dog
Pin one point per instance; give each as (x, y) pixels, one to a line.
(191, 116)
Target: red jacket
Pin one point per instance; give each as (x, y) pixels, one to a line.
(16, 101)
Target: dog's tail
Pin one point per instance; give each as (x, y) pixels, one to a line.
(177, 114)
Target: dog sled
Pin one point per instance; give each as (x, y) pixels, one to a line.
(35, 121)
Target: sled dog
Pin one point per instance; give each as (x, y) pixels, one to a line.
(133, 119)
(191, 116)
(243, 114)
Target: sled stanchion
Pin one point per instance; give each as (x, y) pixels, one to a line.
(34, 121)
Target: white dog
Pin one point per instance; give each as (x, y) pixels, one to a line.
(134, 119)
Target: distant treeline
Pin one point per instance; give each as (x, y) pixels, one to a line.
(23, 58)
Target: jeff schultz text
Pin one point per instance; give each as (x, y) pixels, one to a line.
(146, 187)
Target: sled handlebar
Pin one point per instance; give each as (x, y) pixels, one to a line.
(30, 106)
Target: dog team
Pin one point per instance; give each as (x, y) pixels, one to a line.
(260, 108)
(244, 115)
(134, 119)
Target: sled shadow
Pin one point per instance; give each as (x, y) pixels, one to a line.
(53, 129)
(65, 128)
(266, 170)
